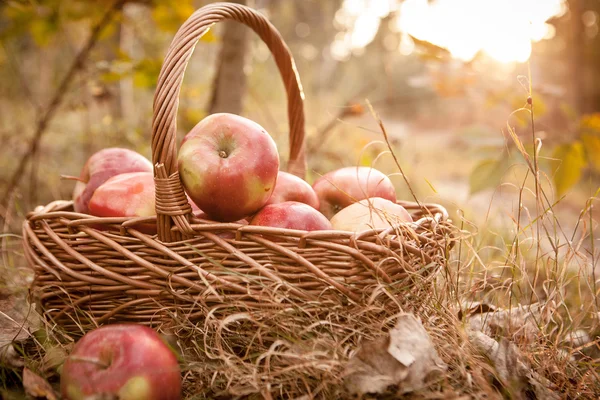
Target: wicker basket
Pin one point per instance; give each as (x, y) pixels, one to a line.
(91, 271)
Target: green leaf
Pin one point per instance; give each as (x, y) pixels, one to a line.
(591, 144)
(194, 115)
(143, 79)
(171, 14)
(572, 163)
(43, 30)
(110, 77)
(146, 73)
(487, 174)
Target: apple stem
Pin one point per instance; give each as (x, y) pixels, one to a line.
(222, 154)
(72, 178)
(89, 360)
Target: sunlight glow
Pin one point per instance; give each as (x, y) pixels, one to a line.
(503, 29)
(358, 21)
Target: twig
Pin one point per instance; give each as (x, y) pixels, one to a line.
(344, 112)
(58, 97)
(387, 141)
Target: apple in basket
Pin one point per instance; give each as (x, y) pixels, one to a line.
(291, 215)
(228, 166)
(129, 195)
(289, 187)
(126, 195)
(124, 361)
(372, 213)
(342, 187)
(101, 166)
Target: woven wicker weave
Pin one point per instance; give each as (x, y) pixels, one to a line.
(91, 271)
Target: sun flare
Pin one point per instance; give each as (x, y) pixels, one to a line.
(502, 29)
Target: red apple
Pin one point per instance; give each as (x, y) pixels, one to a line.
(372, 213)
(125, 195)
(101, 166)
(289, 187)
(340, 188)
(291, 215)
(128, 195)
(228, 166)
(124, 361)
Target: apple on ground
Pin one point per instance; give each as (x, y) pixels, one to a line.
(228, 166)
(342, 187)
(101, 166)
(124, 361)
(289, 187)
(291, 215)
(372, 213)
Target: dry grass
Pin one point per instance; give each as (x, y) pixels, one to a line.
(300, 351)
(303, 349)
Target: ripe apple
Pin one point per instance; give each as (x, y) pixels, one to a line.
(125, 195)
(101, 166)
(342, 187)
(372, 213)
(131, 194)
(228, 166)
(291, 215)
(289, 187)
(124, 361)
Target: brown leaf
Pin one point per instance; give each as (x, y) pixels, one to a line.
(15, 324)
(54, 357)
(36, 386)
(518, 322)
(510, 369)
(405, 359)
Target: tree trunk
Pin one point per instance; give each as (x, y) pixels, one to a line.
(127, 44)
(577, 59)
(229, 84)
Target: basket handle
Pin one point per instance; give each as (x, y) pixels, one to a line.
(171, 203)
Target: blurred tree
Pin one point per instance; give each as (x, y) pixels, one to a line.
(577, 31)
(577, 59)
(229, 84)
(588, 23)
(26, 19)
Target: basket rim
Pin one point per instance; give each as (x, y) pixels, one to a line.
(61, 208)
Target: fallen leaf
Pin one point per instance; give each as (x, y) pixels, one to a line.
(15, 324)
(580, 345)
(36, 386)
(518, 322)
(572, 163)
(54, 357)
(405, 359)
(511, 371)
